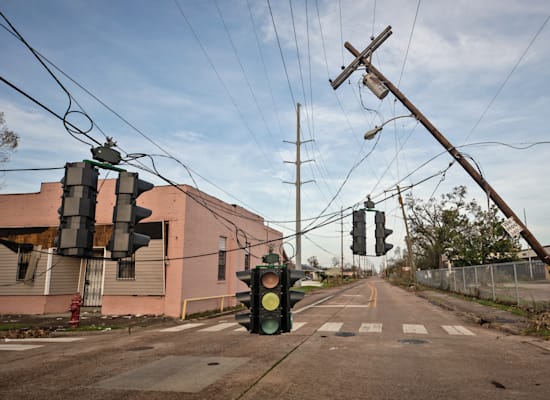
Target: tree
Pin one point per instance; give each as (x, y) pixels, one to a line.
(461, 230)
(8, 140)
(313, 261)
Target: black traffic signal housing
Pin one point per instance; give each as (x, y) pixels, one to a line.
(359, 233)
(381, 233)
(270, 298)
(289, 296)
(126, 214)
(75, 236)
(249, 299)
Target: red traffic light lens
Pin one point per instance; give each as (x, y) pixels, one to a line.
(270, 280)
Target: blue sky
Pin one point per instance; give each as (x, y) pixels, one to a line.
(206, 82)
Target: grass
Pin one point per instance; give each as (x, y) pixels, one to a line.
(11, 327)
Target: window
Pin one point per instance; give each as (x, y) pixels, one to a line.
(221, 259)
(247, 257)
(126, 268)
(22, 264)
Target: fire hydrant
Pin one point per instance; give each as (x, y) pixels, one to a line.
(76, 302)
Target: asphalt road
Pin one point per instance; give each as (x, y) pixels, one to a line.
(368, 341)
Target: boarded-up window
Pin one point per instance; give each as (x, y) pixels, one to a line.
(126, 268)
(221, 259)
(22, 264)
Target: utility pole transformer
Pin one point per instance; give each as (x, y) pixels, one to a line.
(363, 58)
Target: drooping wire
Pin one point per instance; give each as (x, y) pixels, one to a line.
(71, 129)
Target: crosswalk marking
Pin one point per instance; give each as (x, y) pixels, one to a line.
(19, 347)
(366, 327)
(415, 328)
(370, 328)
(331, 327)
(297, 325)
(219, 327)
(179, 328)
(46, 340)
(457, 330)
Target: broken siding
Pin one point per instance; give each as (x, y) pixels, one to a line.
(149, 276)
(9, 285)
(64, 275)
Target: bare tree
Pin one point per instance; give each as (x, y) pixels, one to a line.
(8, 140)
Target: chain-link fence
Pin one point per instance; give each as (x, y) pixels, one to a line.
(519, 282)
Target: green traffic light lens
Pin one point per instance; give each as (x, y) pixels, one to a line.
(270, 301)
(270, 326)
(270, 280)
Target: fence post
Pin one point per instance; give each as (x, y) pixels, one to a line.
(516, 283)
(464, 279)
(493, 282)
(454, 278)
(475, 277)
(530, 268)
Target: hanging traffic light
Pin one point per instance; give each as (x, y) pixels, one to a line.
(249, 299)
(126, 214)
(269, 299)
(75, 236)
(358, 233)
(289, 297)
(381, 233)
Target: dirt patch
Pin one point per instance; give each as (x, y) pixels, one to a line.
(27, 326)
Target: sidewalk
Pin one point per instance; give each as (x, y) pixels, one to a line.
(486, 316)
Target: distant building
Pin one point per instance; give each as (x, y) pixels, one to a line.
(198, 243)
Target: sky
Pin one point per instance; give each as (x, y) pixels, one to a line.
(209, 89)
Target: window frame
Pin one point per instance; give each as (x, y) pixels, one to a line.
(222, 258)
(126, 268)
(23, 261)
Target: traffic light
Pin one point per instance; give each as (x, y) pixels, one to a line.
(126, 214)
(248, 319)
(269, 289)
(381, 233)
(359, 244)
(75, 236)
(290, 297)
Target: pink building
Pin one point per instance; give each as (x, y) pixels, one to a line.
(197, 244)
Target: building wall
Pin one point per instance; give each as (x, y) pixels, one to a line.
(202, 232)
(182, 265)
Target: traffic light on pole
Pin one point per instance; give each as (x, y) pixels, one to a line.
(75, 235)
(359, 244)
(290, 297)
(381, 233)
(249, 320)
(126, 214)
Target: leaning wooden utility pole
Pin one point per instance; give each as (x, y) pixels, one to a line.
(363, 58)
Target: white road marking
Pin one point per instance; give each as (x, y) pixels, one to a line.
(331, 327)
(19, 347)
(313, 305)
(46, 340)
(371, 328)
(182, 327)
(415, 328)
(457, 330)
(219, 327)
(344, 306)
(297, 325)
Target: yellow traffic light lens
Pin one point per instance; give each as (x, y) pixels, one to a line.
(270, 280)
(270, 326)
(270, 301)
